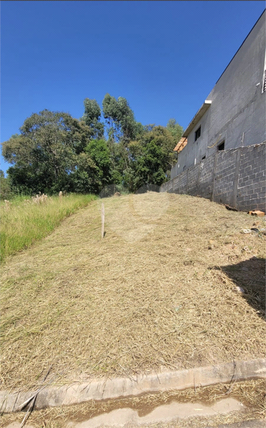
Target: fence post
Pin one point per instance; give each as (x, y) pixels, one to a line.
(102, 220)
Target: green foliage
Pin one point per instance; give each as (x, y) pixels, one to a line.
(23, 179)
(100, 154)
(175, 130)
(93, 171)
(119, 162)
(151, 157)
(46, 152)
(120, 119)
(55, 152)
(24, 221)
(84, 178)
(5, 188)
(92, 117)
(126, 120)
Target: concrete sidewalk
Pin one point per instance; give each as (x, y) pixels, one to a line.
(245, 424)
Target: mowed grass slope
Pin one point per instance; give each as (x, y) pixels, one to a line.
(158, 292)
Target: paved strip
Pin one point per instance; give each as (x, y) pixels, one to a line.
(244, 424)
(164, 414)
(126, 387)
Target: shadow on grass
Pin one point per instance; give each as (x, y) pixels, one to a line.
(250, 276)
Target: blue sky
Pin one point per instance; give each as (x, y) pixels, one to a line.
(163, 57)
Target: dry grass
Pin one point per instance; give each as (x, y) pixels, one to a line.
(250, 393)
(159, 291)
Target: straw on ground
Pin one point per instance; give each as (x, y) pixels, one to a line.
(158, 292)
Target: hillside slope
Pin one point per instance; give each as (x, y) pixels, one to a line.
(159, 291)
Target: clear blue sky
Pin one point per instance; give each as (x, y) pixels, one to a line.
(163, 57)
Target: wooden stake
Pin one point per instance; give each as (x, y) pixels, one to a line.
(102, 220)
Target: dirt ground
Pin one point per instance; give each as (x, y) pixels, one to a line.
(176, 282)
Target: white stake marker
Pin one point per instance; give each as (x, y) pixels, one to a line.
(102, 220)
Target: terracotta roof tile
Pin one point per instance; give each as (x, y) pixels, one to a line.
(180, 145)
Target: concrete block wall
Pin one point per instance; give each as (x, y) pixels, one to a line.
(205, 181)
(251, 180)
(235, 177)
(224, 179)
(192, 180)
(180, 183)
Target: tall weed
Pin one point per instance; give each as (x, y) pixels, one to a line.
(24, 221)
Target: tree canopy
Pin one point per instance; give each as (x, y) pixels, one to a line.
(175, 129)
(119, 118)
(54, 151)
(92, 116)
(46, 152)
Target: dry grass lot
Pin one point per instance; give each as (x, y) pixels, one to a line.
(158, 292)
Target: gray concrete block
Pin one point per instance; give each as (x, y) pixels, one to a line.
(226, 181)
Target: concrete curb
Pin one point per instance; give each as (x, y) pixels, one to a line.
(125, 387)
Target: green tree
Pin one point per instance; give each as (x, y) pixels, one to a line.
(99, 152)
(119, 162)
(126, 120)
(84, 178)
(151, 157)
(148, 167)
(46, 152)
(92, 116)
(110, 114)
(163, 139)
(175, 129)
(5, 188)
(120, 119)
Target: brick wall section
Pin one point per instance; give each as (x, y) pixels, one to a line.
(166, 187)
(223, 191)
(235, 177)
(180, 183)
(192, 180)
(251, 189)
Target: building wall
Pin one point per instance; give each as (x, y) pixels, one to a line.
(235, 177)
(237, 113)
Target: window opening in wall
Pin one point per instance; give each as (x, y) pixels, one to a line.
(203, 157)
(197, 133)
(221, 146)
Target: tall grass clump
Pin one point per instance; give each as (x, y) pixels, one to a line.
(24, 221)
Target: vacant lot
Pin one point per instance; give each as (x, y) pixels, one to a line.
(158, 292)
